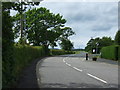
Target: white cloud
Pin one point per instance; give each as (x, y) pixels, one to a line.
(87, 19)
(80, 0)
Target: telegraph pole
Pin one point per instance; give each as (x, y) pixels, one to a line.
(21, 24)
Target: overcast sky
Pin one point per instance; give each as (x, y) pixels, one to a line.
(87, 19)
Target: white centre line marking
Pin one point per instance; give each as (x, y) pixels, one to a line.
(68, 64)
(87, 73)
(96, 78)
(77, 69)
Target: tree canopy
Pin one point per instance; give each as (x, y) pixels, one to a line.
(7, 45)
(43, 27)
(99, 43)
(117, 38)
(66, 44)
(8, 61)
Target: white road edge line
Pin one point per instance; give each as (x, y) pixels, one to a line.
(97, 78)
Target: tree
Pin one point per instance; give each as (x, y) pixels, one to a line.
(99, 43)
(66, 32)
(21, 8)
(7, 45)
(92, 43)
(117, 38)
(66, 44)
(106, 41)
(45, 28)
(8, 61)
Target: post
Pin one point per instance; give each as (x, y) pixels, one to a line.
(86, 56)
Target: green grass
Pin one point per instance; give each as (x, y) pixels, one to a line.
(77, 52)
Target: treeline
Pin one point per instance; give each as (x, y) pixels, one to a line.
(109, 49)
(102, 42)
(37, 29)
(98, 43)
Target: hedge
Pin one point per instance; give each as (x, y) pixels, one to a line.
(110, 52)
(23, 55)
(119, 53)
(60, 52)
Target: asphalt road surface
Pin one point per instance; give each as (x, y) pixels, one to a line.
(73, 71)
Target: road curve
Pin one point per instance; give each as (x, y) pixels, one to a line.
(73, 71)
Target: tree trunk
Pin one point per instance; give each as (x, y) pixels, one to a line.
(47, 51)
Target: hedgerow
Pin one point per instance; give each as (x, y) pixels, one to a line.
(60, 52)
(22, 56)
(110, 52)
(119, 53)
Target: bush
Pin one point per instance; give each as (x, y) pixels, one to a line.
(7, 47)
(23, 55)
(110, 52)
(117, 37)
(119, 53)
(60, 52)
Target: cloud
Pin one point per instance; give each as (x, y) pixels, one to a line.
(88, 20)
(102, 27)
(80, 0)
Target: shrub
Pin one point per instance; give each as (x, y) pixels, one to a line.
(117, 37)
(7, 46)
(60, 52)
(23, 55)
(110, 52)
(119, 53)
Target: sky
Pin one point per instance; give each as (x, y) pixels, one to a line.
(87, 19)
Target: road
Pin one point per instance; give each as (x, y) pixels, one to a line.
(73, 71)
